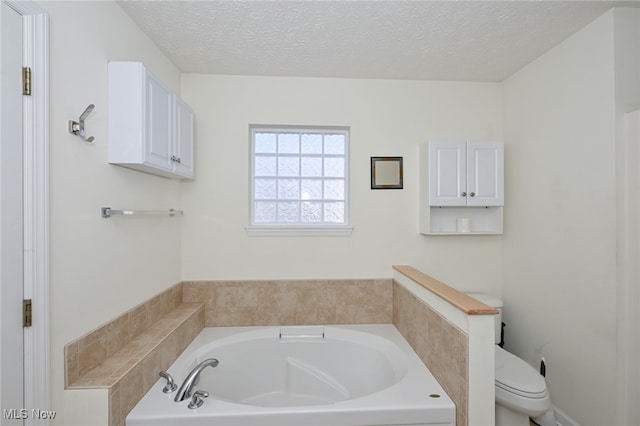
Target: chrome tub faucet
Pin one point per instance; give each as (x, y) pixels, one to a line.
(187, 387)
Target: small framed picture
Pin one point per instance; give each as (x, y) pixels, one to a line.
(386, 173)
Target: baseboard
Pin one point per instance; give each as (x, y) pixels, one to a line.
(562, 419)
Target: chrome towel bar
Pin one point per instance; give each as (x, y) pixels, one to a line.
(107, 212)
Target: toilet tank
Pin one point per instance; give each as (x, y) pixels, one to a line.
(496, 303)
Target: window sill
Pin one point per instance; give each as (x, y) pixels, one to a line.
(299, 231)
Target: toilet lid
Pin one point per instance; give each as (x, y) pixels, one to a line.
(516, 376)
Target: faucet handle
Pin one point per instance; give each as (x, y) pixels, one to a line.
(171, 385)
(197, 399)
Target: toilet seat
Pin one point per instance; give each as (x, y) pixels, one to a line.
(519, 387)
(516, 376)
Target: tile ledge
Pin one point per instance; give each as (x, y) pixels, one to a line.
(456, 298)
(108, 373)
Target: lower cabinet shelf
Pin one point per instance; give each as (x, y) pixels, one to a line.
(461, 220)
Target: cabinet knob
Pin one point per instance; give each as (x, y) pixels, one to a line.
(178, 159)
(473, 194)
(464, 194)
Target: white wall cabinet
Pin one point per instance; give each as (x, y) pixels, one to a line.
(150, 127)
(461, 187)
(465, 173)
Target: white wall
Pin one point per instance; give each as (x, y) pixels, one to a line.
(99, 267)
(387, 118)
(560, 250)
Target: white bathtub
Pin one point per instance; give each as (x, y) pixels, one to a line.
(301, 376)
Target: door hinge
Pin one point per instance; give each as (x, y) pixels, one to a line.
(26, 313)
(26, 81)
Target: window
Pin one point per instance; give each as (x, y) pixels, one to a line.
(299, 179)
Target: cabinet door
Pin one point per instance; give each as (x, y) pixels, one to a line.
(485, 174)
(183, 143)
(158, 123)
(447, 173)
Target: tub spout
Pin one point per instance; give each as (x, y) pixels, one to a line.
(190, 382)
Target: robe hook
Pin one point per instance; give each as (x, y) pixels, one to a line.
(77, 127)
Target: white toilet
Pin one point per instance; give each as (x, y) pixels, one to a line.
(521, 391)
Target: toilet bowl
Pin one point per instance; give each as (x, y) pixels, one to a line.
(521, 392)
(519, 388)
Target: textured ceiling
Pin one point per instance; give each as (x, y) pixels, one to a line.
(420, 40)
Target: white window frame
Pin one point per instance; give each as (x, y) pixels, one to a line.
(297, 229)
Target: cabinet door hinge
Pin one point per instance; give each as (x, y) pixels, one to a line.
(26, 313)
(26, 81)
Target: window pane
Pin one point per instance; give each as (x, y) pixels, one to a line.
(311, 166)
(311, 143)
(288, 212)
(265, 166)
(265, 143)
(265, 189)
(334, 144)
(288, 143)
(288, 189)
(334, 189)
(311, 189)
(334, 167)
(288, 166)
(311, 212)
(264, 212)
(334, 212)
(299, 176)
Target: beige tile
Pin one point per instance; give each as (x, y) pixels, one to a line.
(118, 334)
(123, 368)
(326, 315)
(191, 291)
(169, 349)
(131, 389)
(438, 343)
(151, 367)
(234, 316)
(91, 337)
(91, 355)
(115, 413)
(72, 368)
(155, 309)
(107, 370)
(166, 301)
(176, 295)
(138, 320)
(158, 331)
(71, 348)
(94, 383)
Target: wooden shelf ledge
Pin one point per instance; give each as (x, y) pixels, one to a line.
(460, 300)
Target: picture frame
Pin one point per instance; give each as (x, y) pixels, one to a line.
(386, 173)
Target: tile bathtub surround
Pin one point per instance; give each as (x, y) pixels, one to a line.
(132, 386)
(442, 346)
(129, 373)
(293, 302)
(87, 352)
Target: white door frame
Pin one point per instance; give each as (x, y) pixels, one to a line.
(36, 206)
(628, 410)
